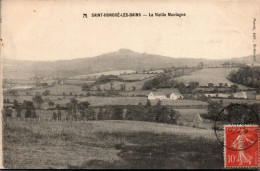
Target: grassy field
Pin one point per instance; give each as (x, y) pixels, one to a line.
(137, 84)
(100, 100)
(107, 86)
(129, 85)
(188, 115)
(116, 72)
(59, 89)
(78, 82)
(109, 144)
(226, 102)
(136, 76)
(208, 75)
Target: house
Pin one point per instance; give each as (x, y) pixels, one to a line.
(156, 95)
(176, 96)
(241, 95)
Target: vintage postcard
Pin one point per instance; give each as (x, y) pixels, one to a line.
(130, 84)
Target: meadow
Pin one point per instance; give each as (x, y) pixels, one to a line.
(131, 77)
(188, 115)
(100, 101)
(209, 75)
(109, 144)
(59, 89)
(129, 85)
(115, 72)
(226, 102)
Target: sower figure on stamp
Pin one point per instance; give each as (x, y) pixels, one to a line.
(239, 143)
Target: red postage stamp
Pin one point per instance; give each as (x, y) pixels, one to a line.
(241, 147)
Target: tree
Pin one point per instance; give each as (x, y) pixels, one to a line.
(54, 116)
(183, 89)
(18, 112)
(28, 106)
(98, 88)
(148, 103)
(111, 86)
(28, 113)
(226, 85)
(7, 112)
(234, 88)
(51, 103)
(118, 113)
(210, 85)
(200, 65)
(46, 93)
(83, 107)
(15, 104)
(58, 106)
(159, 103)
(102, 115)
(37, 99)
(134, 88)
(13, 92)
(122, 87)
(59, 115)
(86, 87)
(193, 85)
(73, 107)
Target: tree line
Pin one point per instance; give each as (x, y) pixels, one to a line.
(249, 76)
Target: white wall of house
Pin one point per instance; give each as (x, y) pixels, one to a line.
(151, 96)
(240, 95)
(175, 96)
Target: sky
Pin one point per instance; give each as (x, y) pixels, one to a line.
(55, 29)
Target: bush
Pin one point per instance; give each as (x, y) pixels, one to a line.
(7, 112)
(118, 113)
(54, 116)
(46, 93)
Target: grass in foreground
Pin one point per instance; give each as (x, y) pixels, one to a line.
(109, 144)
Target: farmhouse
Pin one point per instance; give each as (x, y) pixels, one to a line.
(176, 96)
(240, 95)
(156, 95)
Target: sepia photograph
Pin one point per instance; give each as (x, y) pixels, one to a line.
(130, 84)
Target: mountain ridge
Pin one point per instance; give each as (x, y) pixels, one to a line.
(123, 59)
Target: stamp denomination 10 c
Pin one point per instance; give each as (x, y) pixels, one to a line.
(241, 147)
